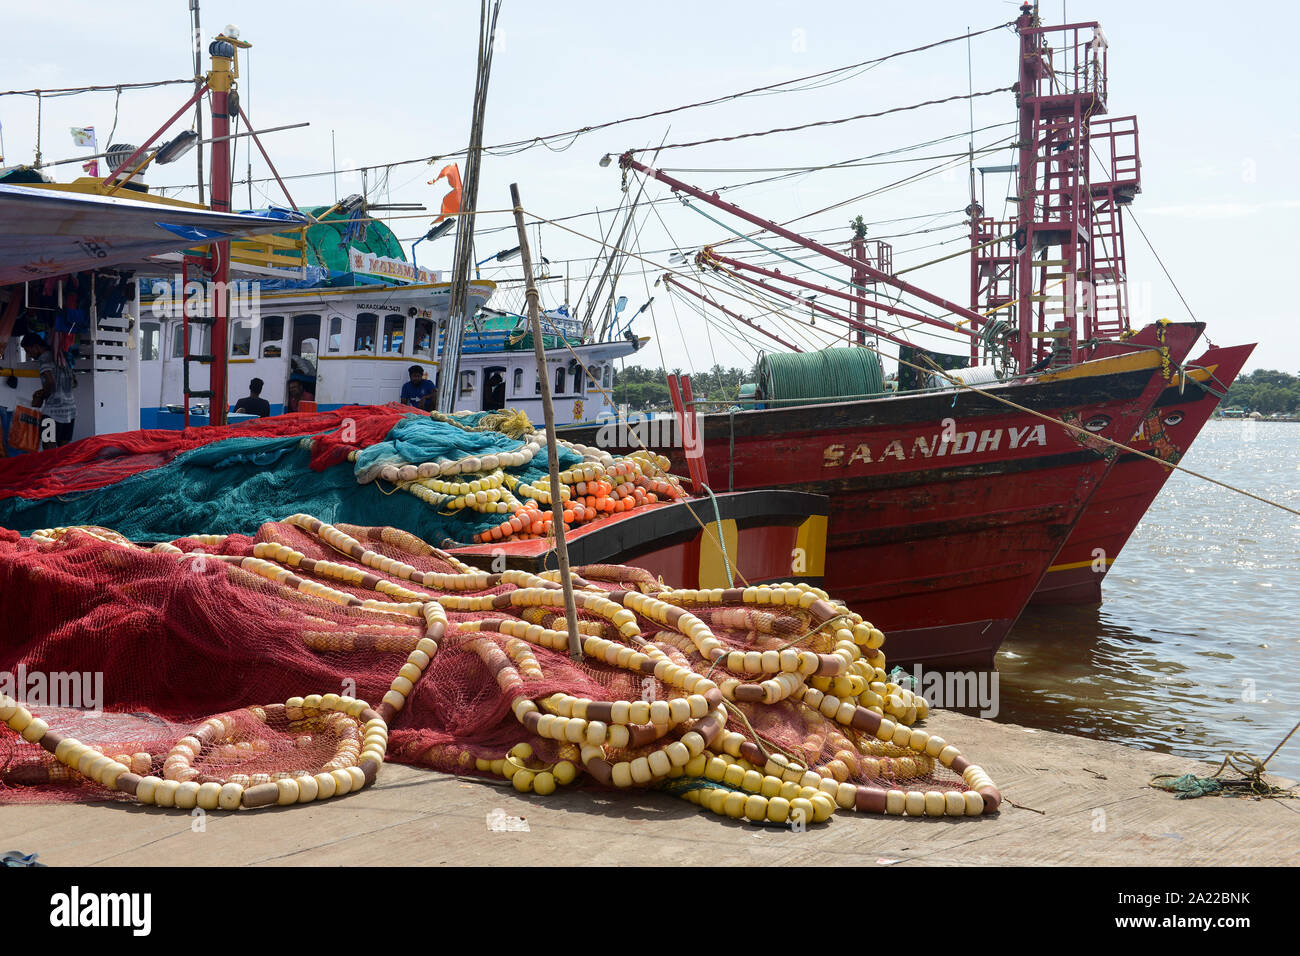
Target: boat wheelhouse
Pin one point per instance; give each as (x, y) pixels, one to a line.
(356, 345)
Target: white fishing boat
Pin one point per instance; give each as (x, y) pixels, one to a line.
(157, 305)
(349, 345)
(355, 345)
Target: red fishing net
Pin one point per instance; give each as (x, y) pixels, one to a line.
(103, 459)
(239, 671)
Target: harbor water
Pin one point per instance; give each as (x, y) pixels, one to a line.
(1195, 649)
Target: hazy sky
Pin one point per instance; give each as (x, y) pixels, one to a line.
(1213, 86)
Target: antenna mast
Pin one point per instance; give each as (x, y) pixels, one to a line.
(449, 367)
(199, 80)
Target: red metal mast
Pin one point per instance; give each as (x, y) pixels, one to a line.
(709, 257)
(670, 281)
(819, 309)
(1060, 276)
(627, 162)
(1062, 86)
(225, 102)
(859, 250)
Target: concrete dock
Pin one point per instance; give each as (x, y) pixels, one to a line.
(1067, 800)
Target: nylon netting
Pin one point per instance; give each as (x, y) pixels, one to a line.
(450, 479)
(288, 666)
(97, 461)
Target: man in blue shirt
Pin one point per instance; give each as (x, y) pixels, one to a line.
(418, 392)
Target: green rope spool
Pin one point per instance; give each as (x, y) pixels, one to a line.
(809, 378)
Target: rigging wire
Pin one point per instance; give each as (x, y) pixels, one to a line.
(74, 90)
(871, 193)
(834, 122)
(772, 87)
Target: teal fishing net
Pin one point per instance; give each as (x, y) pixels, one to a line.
(415, 440)
(235, 485)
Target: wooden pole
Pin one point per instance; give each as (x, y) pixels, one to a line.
(552, 446)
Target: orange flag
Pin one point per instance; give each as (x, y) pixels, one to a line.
(451, 201)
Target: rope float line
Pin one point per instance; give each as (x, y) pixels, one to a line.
(844, 697)
(600, 485)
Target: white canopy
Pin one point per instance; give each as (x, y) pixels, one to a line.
(45, 232)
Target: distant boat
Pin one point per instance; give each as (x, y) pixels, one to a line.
(1112, 515)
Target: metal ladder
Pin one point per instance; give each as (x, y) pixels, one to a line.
(194, 268)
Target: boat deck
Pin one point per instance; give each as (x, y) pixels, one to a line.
(1095, 810)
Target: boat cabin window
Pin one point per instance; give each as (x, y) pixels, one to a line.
(519, 380)
(200, 337)
(335, 340)
(537, 383)
(394, 334)
(306, 336)
(423, 336)
(559, 380)
(150, 345)
(241, 337)
(367, 329)
(273, 336)
(579, 379)
(466, 382)
(609, 376)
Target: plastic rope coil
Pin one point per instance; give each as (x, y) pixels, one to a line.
(804, 378)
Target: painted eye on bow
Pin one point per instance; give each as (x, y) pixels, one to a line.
(1173, 418)
(1097, 423)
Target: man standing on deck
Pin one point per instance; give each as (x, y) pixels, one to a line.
(419, 390)
(54, 398)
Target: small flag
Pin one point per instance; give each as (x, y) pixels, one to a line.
(85, 136)
(451, 201)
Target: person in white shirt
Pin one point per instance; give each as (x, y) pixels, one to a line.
(54, 398)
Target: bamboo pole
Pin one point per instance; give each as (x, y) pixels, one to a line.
(552, 446)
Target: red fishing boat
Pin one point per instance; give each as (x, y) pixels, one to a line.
(946, 507)
(1131, 486)
(745, 537)
(1079, 171)
(949, 506)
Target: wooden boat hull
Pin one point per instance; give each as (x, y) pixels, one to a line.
(1114, 512)
(749, 539)
(940, 543)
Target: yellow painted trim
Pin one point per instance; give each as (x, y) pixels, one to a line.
(377, 358)
(361, 292)
(20, 372)
(1079, 564)
(1107, 366)
(272, 241)
(713, 572)
(339, 358)
(90, 185)
(811, 540)
(1195, 375)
